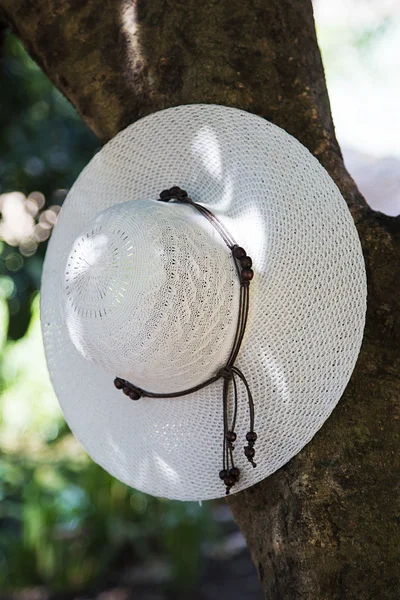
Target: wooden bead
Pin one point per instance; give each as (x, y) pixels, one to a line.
(239, 252)
(234, 472)
(118, 383)
(247, 274)
(246, 262)
(177, 191)
(251, 436)
(230, 436)
(249, 452)
(229, 481)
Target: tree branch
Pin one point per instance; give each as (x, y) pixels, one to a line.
(324, 525)
(119, 60)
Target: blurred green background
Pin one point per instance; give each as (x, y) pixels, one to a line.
(65, 524)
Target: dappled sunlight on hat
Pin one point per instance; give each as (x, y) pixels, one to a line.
(178, 315)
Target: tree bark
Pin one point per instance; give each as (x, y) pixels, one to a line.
(326, 525)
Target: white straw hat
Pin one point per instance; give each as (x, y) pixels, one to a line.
(151, 293)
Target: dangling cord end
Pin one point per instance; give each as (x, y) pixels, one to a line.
(251, 435)
(229, 475)
(249, 451)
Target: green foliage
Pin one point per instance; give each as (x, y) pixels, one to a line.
(43, 146)
(64, 522)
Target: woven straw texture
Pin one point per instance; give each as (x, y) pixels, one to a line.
(135, 288)
(151, 295)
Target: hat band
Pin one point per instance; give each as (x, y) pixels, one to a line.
(230, 373)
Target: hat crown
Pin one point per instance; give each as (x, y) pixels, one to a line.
(151, 295)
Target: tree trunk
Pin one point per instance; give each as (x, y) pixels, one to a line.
(326, 525)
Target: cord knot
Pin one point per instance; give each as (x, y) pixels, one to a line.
(226, 373)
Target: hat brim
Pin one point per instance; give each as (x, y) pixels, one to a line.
(307, 299)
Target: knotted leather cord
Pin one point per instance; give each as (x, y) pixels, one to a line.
(230, 473)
